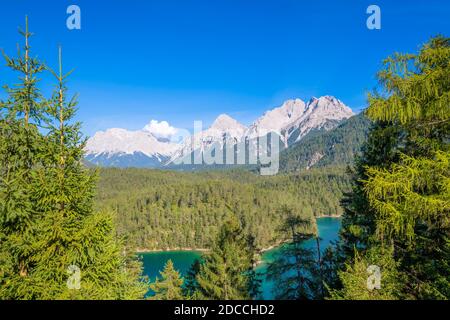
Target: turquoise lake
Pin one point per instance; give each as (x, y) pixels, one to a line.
(182, 260)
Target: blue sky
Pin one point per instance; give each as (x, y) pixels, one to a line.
(189, 60)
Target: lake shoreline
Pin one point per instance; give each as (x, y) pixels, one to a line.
(335, 216)
(142, 250)
(203, 250)
(154, 261)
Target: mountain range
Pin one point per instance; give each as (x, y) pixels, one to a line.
(293, 122)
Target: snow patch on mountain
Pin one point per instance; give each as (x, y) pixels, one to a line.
(116, 140)
(277, 119)
(295, 117)
(223, 130)
(291, 122)
(320, 113)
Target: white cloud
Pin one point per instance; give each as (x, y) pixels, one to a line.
(160, 129)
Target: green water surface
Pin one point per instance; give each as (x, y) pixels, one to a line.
(182, 260)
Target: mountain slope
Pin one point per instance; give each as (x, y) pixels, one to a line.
(319, 147)
(226, 139)
(125, 160)
(224, 130)
(277, 119)
(122, 148)
(291, 121)
(320, 113)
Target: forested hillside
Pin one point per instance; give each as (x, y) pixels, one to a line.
(158, 209)
(321, 148)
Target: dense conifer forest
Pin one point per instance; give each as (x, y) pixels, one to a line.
(158, 209)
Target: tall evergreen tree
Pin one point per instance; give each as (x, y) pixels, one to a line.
(295, 270)
(191, 287)
(401, 197)
(358, 220)
(169, 287)
(20, 148)
(227, 271)
(71, 251)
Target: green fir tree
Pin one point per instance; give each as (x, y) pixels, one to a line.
(61, 248)
(227, 271)
(21, 145)
(169, 287)
(295, 270)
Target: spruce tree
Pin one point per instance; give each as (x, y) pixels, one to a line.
(169, 287)
(61, 248)
(20, 147)
(191, 286)
(295, 270)
(70, 232)
(227, 271)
